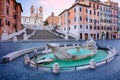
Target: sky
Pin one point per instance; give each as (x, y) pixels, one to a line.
(56, 6)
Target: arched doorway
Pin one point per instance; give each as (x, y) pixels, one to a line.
(107, 35)
(86, 36)
(94, 36)
(111, 36)
(80, 35)
(98, 36)
(91, 35)
(103, 35)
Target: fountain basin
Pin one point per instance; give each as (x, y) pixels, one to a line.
(99, 56)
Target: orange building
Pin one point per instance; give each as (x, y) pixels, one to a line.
(10, 16)
(53, 20)
(83, 20)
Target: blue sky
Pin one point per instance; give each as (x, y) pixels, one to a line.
(56, 6)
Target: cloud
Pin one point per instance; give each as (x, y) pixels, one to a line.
(55, 6)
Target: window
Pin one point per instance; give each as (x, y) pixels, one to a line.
(14, 16)
(97, 6)
(93, 5)
(80, 18)
(86, 19)
(8, 1)
(107, 28)
(75, 27)
(86, 26)
(101, 7)
(86, 11)
(90, 26)
(69, 21)
(94, 27)
(64, 29)
(68, 13)
(0, 22)
(14, 7)
(104, 28)
(64, 14)
(91, 20)
(8, 23)
(95, 21)
(97, 13)
(90, 4)
(101, 27)
(68, 28)
(80, 26)
(80, 9)
(98, 21)
(90, 12)
(74, 18)
(94, 13)
(98, 27)
(74, 10)
(7, 10)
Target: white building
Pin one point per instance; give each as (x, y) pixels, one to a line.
(35, 19)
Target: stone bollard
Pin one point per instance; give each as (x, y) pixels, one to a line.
(73, 45)
(92, 64)
(56, 68)
(66, 36)
(65, 45)
(25, 37)
(4, 36)
(35, 51)
(46, 48)
(14, 39)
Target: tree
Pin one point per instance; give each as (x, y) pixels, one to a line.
(45, 23)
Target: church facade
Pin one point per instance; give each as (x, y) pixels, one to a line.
(35, 19)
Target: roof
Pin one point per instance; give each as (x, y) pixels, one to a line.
(20, 6)
(74, 6)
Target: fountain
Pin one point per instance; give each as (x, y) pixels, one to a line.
(57, 54)
(65, 56)
(61, 53)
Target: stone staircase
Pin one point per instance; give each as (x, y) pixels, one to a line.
(28, 31)
(55, 31)
(45, 34)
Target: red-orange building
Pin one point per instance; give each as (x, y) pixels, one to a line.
(53, 20)
(10, 16)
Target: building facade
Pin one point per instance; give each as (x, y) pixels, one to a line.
(35, 19)
(53, 20)
(105, 21)
(10, 16)
(119, 24)
(90, 18)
